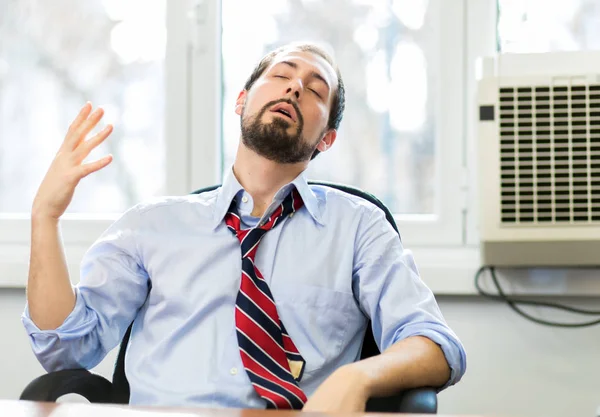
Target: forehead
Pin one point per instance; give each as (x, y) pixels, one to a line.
(309, 61)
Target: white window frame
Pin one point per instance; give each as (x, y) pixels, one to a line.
(446, 227)
(481, 41)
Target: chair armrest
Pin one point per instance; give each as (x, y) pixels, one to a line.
(53, 385)
(416, 401)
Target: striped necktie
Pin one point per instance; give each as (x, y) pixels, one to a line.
(270, 358)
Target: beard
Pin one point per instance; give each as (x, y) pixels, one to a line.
(272, 140)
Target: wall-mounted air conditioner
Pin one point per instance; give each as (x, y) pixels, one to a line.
(539, 159)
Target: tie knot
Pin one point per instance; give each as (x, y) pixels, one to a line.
(288, 207)
(250, 238)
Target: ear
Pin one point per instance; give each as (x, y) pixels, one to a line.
(327, 140)
(240, 102)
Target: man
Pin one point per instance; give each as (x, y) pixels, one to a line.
(278, 325)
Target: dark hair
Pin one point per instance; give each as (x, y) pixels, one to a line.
(339, 99)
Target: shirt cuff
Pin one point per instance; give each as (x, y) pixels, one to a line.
(450, 345)
(76, 323)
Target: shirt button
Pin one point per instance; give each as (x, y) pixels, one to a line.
(233, 371)
(244, 199)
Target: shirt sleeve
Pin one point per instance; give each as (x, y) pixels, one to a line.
(112, 288)
(391, 293)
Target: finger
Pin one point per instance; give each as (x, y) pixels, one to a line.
(84, 148)
(87, 126)
(83, 115)
(87, 169)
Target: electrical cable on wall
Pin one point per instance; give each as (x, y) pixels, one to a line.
(514, 301)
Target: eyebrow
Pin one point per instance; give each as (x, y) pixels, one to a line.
(314, 74)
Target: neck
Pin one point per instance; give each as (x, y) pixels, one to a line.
(262, 178)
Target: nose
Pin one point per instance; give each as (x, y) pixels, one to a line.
(294, 88)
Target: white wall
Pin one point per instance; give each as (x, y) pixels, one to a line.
(521, 369)
(515, 368)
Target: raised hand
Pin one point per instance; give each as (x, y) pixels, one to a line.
(67, 169)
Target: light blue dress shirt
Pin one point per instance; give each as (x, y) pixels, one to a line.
(172, 265)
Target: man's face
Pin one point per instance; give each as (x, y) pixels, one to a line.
(284, 115)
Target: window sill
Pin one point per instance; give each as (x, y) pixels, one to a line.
(446, 270)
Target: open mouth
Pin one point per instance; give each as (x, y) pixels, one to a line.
(284, 112)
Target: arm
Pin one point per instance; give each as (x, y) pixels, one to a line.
(75, 327)
(410, 363)
(49, 291)
(418, 347)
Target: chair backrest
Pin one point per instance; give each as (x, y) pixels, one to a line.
(369, 347)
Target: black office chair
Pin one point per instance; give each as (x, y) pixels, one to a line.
(97, 389)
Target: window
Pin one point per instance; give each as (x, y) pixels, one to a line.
(53, 57)
(400, 60)
(546, 26)
(56, 55)
(401, 138)
(171, 100)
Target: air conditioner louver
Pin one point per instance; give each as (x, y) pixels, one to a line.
(550, 154)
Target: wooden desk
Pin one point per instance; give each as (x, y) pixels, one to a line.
(39, 409)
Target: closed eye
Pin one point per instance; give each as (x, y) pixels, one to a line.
(317, 94)
(281, 76)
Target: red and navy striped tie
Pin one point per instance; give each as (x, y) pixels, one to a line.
(270, 358)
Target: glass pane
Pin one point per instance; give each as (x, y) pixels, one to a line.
(56, 55)
(545, 26)
(388, 53)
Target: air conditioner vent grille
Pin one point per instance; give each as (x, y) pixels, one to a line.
(549, 154)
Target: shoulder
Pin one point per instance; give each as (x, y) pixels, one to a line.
(348, 210)
(358, 219)
(173, 202)
(343, 202)
(171, 208)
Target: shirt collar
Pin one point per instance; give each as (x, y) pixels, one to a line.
(231, 187)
